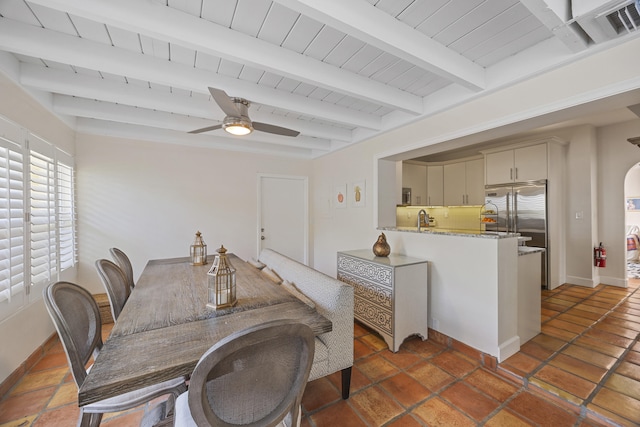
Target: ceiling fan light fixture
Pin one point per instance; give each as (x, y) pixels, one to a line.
(238, 129)
(237, 126)
(237, 121)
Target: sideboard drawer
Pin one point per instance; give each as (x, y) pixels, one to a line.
(370, 291)
(376, 273)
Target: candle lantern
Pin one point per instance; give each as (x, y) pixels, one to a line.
(198, 251)
(222, 282)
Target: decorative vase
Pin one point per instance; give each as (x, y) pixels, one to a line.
(381, 247)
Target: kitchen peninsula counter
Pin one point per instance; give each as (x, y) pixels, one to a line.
(473, 283)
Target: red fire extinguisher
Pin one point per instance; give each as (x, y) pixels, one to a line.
(600, 256)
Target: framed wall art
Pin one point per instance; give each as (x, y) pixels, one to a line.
(357, 194)
(633, 203)
(340, 196)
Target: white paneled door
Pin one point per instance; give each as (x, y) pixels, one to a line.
(283, 215)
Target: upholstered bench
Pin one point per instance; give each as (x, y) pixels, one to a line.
(334, 300)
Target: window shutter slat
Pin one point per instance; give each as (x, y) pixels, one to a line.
(42, 207)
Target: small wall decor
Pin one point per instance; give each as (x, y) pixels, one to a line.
(340, 196)
(633, 204)
(357, 194)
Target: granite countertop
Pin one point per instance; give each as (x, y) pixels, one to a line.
(526, 250)
(453, 232)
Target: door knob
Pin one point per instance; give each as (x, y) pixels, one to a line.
(261, 237)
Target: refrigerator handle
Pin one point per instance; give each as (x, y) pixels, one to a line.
(515, 211)
(508, 214)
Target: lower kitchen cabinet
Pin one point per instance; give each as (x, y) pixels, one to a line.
(390, 293)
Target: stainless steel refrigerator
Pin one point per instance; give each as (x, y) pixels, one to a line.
(522, 208)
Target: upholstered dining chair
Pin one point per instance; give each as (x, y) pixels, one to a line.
(123, 261)
(76, 316)
(115, 282)
(253, 377)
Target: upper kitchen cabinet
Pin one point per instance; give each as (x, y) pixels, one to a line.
(464, 183)
(435, 185)
(528, 163)
(425, 182)
(414, 177)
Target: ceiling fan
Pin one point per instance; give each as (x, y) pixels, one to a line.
(237, 121)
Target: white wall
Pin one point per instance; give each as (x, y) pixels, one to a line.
(149, 200)
(581, 200)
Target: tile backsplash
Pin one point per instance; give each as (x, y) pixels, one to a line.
(446, 217)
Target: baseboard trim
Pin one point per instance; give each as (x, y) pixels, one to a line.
(486, 360)
(582, 281)
(24, 367)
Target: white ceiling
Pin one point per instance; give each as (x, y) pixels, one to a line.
(338, 71)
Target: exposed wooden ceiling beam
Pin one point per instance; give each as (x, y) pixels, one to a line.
(365, 22)
(143, 133)
(50, 45)
(154, 20)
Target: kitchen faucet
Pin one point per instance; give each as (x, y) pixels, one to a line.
(422, 214)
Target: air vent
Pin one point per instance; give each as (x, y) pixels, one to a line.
(604, 20)
(626, 19)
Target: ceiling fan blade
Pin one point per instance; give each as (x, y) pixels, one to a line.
(264, 127)
(224, 102)
(207, 129)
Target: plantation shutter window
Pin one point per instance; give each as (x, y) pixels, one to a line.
(37, 217)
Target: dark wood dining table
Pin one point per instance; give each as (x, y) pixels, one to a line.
(165, 326)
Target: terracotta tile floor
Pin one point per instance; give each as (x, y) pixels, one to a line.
(582, 370)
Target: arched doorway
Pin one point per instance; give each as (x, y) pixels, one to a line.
(632, 221)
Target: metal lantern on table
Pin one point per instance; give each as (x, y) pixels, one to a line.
(222, 282)
(198, 251)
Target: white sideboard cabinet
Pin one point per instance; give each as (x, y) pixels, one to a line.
(390, 293)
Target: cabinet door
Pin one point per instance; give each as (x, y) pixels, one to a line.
(474, 182)
(454, 184)
(435, 191)
(415, 177)
(499, 167)
(530, 163)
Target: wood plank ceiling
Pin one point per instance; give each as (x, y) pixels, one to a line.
(336, 71)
